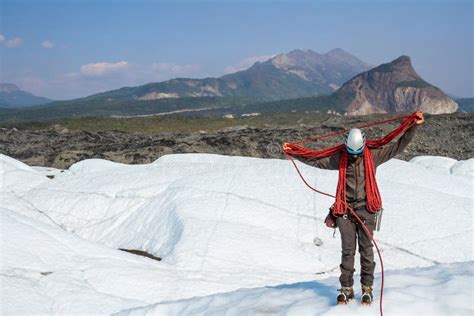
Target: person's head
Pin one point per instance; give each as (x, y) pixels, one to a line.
(354, 141)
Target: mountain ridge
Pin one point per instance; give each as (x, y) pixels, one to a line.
(283, 76)
(389, 87)
(11, 96)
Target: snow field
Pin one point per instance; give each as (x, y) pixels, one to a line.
(220, 224)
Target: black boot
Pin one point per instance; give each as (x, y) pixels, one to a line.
(347, 293)
(367, 296)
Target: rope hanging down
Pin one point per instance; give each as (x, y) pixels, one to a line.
(371, 185)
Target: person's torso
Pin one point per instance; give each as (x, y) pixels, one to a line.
(355, 181)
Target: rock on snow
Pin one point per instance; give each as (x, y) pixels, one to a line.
(242, 227)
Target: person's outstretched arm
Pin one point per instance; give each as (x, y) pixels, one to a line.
(389, 151)
(329, 162)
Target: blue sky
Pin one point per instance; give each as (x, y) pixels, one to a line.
(72, 48)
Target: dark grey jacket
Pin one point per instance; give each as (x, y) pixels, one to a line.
(355, 173)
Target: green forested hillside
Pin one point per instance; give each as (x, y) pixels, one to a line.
(101, 108)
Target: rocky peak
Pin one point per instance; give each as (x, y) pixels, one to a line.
(300, 53)
(295, 58)
(401, 67)
(394, 87)
(338, 52)
(330, 69)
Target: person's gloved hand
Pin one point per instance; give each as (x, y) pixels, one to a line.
(285, 146)
(420, 119)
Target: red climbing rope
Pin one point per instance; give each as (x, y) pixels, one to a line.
(374, 202)
(312, 139)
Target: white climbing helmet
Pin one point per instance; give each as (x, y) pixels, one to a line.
(354, 141)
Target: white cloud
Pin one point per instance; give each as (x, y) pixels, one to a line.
(2, 38)
(136, 73)
(246, 63)
(175, 69)
(99, 69)
(47, 44)
(11, 43)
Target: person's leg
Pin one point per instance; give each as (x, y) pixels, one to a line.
(366, 251)
(348, 242)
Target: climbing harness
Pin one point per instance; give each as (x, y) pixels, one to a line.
(374, 202)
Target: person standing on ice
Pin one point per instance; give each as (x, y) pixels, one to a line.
(356, 197)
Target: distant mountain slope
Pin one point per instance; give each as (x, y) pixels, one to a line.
(390, 87)
(11, 96)
(325, 103)
(394, 87)
(296, 74)
(103, 108)
(466, 104)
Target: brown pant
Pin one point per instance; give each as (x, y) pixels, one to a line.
(351, 230)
